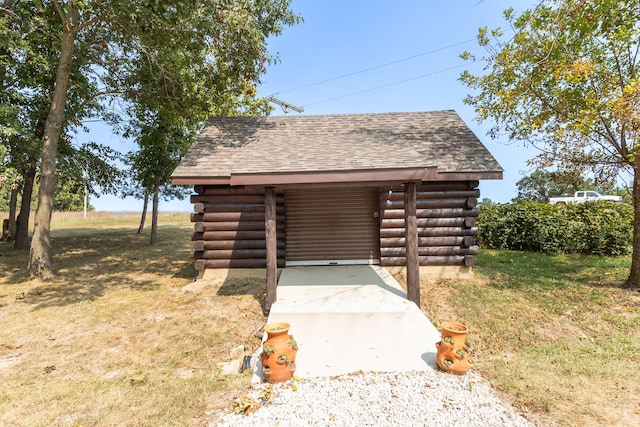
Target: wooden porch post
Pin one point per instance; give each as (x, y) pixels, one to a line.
(272, 244)
(411, 243)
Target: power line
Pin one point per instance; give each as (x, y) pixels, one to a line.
(387, 85)
(375, 67)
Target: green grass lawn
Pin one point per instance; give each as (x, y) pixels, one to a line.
(555, 333)
(117, 339)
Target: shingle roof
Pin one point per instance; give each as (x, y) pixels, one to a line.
(335, 143)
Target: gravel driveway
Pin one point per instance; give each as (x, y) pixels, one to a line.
(380, 399)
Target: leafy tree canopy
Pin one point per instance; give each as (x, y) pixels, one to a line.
(543, 184)
(101, 42)
(567, 82)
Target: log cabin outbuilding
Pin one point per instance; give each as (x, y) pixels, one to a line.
(395, 189)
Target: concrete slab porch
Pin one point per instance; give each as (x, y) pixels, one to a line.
(351, 318)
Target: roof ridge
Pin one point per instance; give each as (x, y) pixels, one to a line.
(389, 113)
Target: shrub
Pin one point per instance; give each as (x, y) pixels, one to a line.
(601, 228)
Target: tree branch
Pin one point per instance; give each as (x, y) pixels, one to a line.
(60, 12)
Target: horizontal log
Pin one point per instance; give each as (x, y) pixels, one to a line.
(232, 199)
(203, 264)
(426, 261)
(441, 185)
(430, 251)
(204, 245)
(251, 207)
(230, 216)
(209, 190)
(431, 204)
(472, 202)
(432, 213)
(430, 222)
(435, 194)
(431, 232)
(233, 235)
(464, 241)
(449, 185)
(228, 226)
(235, 254)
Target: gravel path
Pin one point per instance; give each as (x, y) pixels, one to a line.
(380, 399)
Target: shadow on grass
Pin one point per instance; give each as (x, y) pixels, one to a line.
(14, 263)
(90, 261)
(186, 270)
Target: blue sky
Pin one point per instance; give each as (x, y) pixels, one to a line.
(354, 56)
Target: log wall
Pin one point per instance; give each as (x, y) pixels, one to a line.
(446, 216)
(229, 228)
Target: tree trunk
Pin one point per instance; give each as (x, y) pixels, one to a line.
(13, 207)
(40, 261)
(22, 223)
(633, 281)
(154, 215)
(143, 217)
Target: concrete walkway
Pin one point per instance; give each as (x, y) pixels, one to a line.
(351, 318)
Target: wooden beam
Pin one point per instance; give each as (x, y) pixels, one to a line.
(432, 213)
(212, 245)
(399, 242)
(201, 227)
(203, 264)
(233, 235)
(457, 202)
(272, 244)
(231, 216)
(235, 254)
(429, 251)
(426, 232)
(411, 243)
(450, 260)
(431, 222)
(436, 194)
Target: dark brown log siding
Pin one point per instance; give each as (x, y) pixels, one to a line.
(446, 216)
(229, 228)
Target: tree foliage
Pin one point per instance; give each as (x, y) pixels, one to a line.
(567, 82)
(543, 184)
(91, 46)
(179, 82)
(29, 32)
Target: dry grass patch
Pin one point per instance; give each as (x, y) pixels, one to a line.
(117, 340)
(555, 334)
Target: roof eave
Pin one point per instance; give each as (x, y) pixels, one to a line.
(470, 175)
(333, 177)
(199, 180)
(338, 177)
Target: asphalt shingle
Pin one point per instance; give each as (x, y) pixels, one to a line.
(320, 143)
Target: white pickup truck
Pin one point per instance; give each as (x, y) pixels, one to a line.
(583, 196)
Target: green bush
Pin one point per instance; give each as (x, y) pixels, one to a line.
(600, 228)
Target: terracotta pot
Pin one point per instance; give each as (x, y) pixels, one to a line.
(278, 355)
(452, 356)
